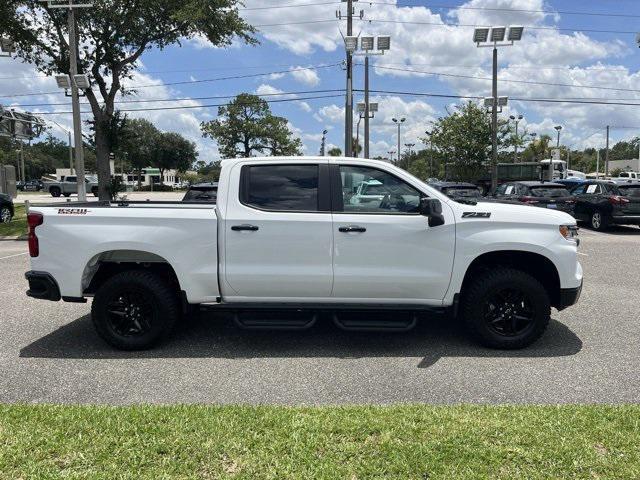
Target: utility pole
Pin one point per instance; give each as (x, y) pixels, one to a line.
(399, 122)
(70, 153)
(366, 106)
(606, 157)
(348, 111)
(323, 144)
(75, 101)
(494, 122)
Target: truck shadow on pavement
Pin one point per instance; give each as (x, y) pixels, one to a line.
(209, 336)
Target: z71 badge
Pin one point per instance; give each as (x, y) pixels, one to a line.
(72, 211)
(476, 214)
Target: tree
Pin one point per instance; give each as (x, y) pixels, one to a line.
(113, 35)
(247, 127)
(138, 143)
(335, 152)
(463, 138)
(173, 151)
(538, 149)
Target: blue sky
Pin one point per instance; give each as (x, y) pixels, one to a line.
(548, 54)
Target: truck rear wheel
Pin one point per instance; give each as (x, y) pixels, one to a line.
(55, 191)
(505, 308)
(134, 310)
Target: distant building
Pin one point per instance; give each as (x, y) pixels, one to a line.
(169, 177)
(631, 165)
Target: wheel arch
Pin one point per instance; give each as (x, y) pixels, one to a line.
(106, 264)
(535, 264)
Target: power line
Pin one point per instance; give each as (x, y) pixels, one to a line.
(527, 27)
(185, 82)
(290, 5)
(520, 99)
(184, 107)
(519, 10)
(528, 82)
(184, 99)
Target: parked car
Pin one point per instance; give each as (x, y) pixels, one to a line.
(283, 244)
(458, 190)
(603, 202)
(6, 208)
(69, 185)
(571, 183)
(202, 192)
(30, 186)
(550, 195)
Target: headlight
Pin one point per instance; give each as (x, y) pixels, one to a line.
(570, 232)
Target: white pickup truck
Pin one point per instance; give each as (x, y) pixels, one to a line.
(284, 246)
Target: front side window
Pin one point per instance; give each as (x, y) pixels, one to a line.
(369, 190)
(281, 187)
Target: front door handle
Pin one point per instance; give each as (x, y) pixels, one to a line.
(246, 226)
(352, 228)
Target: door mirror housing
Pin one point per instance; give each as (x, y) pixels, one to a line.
(432, 209)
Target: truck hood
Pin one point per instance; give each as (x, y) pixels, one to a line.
(504, 212)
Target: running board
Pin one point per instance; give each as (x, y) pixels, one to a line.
(366, 321)
(274, 319)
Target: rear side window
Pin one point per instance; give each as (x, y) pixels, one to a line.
(549, 191)
(281, 187)
(629, 190)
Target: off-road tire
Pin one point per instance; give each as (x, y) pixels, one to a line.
(55, 191)
(142, 287)
(477, 300)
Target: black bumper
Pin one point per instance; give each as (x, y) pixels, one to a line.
(568, 297)
(43, 286)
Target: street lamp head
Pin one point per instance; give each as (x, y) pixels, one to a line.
(502, 101)
(373, 106)
(558, 127)
(351, 43)
(480, 35)
(395, 120)
(402, 120)
(63, 81)
(361, 107)
(497, 34)
(520, 117)
(512, 117)
(82, 81)
(366, 43)
(515, 33)
(384, 42)
(7, 45)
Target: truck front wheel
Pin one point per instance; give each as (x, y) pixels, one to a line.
(134, 310)
(505, 308)
(55, 191)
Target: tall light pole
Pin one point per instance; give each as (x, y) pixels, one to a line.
(399, 123)
(391, 152)
(517, 139)
(324, 143)
(481, 36)
(428, 134)
(351, 43)
(75, 82)
(558, 128)
(362, 114)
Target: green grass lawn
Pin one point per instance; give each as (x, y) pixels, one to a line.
(400, 442)
(17, 226)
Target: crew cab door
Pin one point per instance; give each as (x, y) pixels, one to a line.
(278, 236)
(385, 251)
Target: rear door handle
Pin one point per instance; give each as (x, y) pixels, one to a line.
(246, 226)
(352, 228)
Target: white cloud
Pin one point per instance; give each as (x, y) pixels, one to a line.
(304, 106)
(307, 77)
(265, 89)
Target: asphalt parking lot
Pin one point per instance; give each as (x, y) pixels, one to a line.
(50, 353)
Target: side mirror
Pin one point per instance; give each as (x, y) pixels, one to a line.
(432, 209)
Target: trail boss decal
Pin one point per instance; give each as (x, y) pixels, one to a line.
(476, 214)
(72, 211)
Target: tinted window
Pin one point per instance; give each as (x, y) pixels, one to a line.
(501, 189)
(70, 179)
(282, 187)
(465, 192)
(369, 190)
(549, 191)
(201, 195)
(629, 190)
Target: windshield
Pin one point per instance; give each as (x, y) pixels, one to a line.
(465, 192)
(630, 190)
(549, 191)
